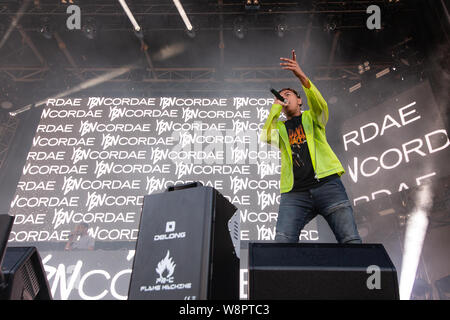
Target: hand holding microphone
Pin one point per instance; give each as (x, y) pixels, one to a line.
(280, 99)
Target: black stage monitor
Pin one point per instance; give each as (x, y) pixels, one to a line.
(184, 249)
(6, 223)
(22, 275)
(305, 271)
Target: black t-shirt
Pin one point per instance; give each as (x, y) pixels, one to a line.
(301, 159)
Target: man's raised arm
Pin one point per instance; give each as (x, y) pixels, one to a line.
(316, 102)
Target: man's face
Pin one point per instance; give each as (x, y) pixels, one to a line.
(293, 102)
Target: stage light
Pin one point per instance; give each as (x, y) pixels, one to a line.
(330, 26)
(46, 32)
(45, 29)
(364, 67)
(139, 34)
(281, 26)
(239, 31)
(239, 28)
(90, 29)
(382, 73)
(183, 14)
(281, 29)
(355, 87)
(191, 33)
(332, 23)
(130, 15)
(252, 4)
(415, 233)
(360, 69)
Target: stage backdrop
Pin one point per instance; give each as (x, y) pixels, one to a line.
(94, 158)
(395, 146)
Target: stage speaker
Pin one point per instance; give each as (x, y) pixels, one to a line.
(320, 271)
(184, 249)
(24, 276)
(6, 223)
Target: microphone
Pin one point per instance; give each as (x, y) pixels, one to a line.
(277, 95)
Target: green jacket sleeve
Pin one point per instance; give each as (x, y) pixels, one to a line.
(269, 132)
(317, 104)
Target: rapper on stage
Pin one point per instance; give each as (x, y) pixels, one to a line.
(310, 181)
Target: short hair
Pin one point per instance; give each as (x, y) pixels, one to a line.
(290, 89)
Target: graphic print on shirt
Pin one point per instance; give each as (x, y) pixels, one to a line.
(297, 137)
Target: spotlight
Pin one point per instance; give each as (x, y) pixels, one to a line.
(281, 26)
(239, 28)
(90, 29)
(332, 23)
(382, 72)
(364, 67)
(183, 14)
(331, 26)
(355, 87)
(130, 15)
(190, 33)
(281, 29)
(139, 34)
(360, 69)
(45, 29)
(252, 4)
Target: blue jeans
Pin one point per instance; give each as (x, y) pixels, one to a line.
(330, 200)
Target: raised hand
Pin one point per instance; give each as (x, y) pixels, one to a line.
(292, 64)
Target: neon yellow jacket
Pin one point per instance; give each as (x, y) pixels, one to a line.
(324, 161)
